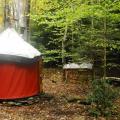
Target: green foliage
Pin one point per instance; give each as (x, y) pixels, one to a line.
(102, 97)
(85, 27)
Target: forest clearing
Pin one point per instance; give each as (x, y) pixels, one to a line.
(61, 101)
(60, 59)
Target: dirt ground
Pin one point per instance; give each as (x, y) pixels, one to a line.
(57, 105)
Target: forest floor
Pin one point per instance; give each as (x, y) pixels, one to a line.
(59, 102)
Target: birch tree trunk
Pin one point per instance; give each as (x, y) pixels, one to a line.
(27, 20)
(21, 10)
(16, 16)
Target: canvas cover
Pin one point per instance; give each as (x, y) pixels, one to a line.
(19, 81)
(12, 44)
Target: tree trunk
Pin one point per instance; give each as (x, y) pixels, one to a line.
(6, 14)
(92, 36)
(105, 53)
(2, 15)
(16, 16)
(63, 44)
(28, 20)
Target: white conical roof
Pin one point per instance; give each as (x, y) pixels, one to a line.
(12, 44)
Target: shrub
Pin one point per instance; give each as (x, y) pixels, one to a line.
(102, 97)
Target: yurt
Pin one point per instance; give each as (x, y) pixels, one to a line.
(19, 67)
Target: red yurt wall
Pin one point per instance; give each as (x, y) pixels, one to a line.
(19, 80)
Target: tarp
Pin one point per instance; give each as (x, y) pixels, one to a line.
(71, 66)
(86, 65)
(19, 81)
(83, 65)
(12, 44)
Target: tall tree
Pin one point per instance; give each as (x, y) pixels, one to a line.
(83, 20)
(17, 16)
(1, 15)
